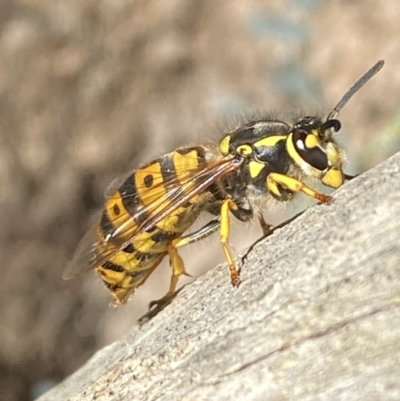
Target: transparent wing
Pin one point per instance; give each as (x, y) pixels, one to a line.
(115, 184)
(95, 249)
(81, 261)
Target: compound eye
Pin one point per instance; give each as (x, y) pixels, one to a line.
(307, 146)
(299, 137)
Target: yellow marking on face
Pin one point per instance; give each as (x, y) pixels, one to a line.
(255, 168)
(312, 141)
(270, 140)
(224, 145)
(293, 152)
(157, 190)
(333, 178)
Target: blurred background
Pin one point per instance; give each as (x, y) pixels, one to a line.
(88, 90)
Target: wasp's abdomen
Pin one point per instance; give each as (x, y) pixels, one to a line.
(135, 252)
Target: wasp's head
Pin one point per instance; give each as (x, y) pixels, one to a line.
(313, 149)
(270, 145)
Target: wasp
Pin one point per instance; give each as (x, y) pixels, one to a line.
(148, 211)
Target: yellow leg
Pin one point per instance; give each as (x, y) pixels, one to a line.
(293, 185)
(227, 206)
(178, 268)
(208, 229)
(176, 262)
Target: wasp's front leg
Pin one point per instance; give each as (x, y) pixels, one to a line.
(268, 229)
(277, 181)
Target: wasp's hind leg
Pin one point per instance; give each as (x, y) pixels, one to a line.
(178, 269)
(177, 265)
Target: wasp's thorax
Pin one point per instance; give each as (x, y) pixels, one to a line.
(275, 146)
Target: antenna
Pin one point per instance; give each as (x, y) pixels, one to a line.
(355, 88)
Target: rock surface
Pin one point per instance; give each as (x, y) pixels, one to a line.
(316, 317)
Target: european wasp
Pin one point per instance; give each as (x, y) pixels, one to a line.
(147, 212)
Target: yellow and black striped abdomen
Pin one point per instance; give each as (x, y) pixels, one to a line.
(129, 253)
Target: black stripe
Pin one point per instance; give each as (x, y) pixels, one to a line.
(112, 266)
(131, 200)
(163, 236)
(111, 286)
(129, 249)
(201, 155)
(199, 150)
(106, 225)
(218, 190)
(168, 171)
(137, 274)
(145, 257)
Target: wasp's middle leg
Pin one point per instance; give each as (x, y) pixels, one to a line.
(268, 229)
